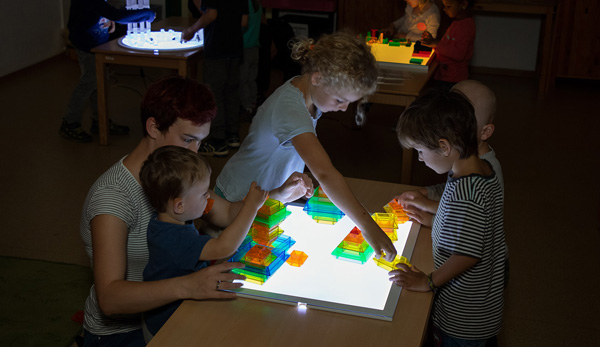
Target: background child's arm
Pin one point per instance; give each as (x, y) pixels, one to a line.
(458, 40)
(231, 238)
(416, 280)
(202, 22)
(309, 148)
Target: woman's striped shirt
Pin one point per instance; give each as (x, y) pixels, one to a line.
(117, 193)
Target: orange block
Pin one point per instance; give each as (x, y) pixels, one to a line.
(297, 258)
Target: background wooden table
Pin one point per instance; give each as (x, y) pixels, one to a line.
(185, 62)
(252, 323)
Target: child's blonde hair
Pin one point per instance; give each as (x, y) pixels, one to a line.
(343, 60)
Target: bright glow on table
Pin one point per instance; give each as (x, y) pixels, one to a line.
(162, 40)
(323, 280)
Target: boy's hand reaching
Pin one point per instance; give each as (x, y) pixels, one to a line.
(409, 278)
(422, 217)
(256, 197)
(419, 200)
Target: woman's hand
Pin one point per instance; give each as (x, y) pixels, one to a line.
(210, 282)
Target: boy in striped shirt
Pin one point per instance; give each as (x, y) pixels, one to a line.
(469, 248)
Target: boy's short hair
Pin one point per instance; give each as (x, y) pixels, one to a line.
(169, 171)
(174, 97)
(439, 114)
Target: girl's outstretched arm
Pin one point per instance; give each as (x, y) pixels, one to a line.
(333, 183)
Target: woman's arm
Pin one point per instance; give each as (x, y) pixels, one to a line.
(312, 152)
(119, 296)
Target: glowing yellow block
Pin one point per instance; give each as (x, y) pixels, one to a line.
(393, 264)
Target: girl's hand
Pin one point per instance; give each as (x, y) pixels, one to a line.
(409, 278)
(298, 185)
(380, 242)
(426, 35)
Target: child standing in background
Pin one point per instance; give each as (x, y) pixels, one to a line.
(469, 248)
(337, 70)
(419, 16)
(176, 182)
(249, 67)
(223, 23)
(90, 23)
(455, 48)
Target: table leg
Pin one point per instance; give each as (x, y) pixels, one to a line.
(183, 69)
(102, 102)
(545, 72)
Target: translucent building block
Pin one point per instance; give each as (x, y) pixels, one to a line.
(319, 192)
(282, 244)
(393, 265)
(273, 220)
(265, 236)
(396, 208)
(354, 246)
(355, 236)
(270, 207)
(385, 220)
(259, 255)
(297, 258)
(353, 256)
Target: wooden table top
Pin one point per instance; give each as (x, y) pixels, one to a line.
(251, 322)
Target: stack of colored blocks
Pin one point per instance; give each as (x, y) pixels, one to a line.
(396, 208)
(353, 248)
(265, 248)
(387, 223)
(321, 209)
(393, 265)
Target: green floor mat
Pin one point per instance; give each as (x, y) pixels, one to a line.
(37, 301)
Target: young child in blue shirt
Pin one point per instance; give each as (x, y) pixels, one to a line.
(176, 182)
(469, 248)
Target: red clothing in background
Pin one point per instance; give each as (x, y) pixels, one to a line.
(454, 51)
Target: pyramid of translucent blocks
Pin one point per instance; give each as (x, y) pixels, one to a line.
(353, 248)
(321, 209)
(141, 37)
(265, 248)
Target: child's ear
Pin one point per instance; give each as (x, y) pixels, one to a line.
(315, 79)
(487, 131)
(152, 128)
(178, 207)
(445, 147)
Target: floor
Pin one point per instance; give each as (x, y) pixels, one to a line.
(548, 150)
